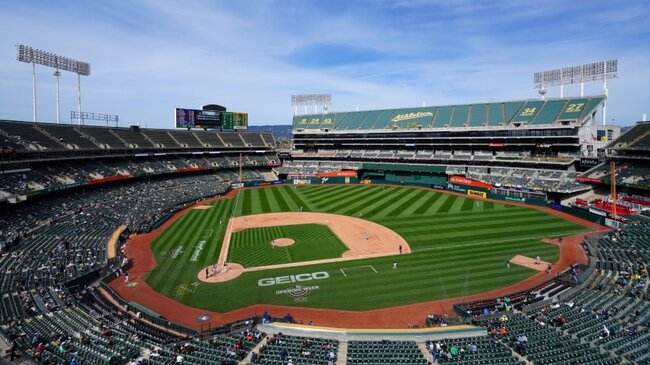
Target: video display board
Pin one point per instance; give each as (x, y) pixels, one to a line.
(194, 118)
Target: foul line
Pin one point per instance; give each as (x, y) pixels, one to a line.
(356, 267)
(203, 235)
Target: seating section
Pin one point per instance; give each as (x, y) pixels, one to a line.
(542, 180)
(161, 138)
(104, 137)
(68, 136)
(23, 136)
(187, 139)
(532, 112)
(312, 168)
(636, 137)
(71, 173)
(133, 139)
(253, 139)
(28, 136)
(384, 352)
(280, 348)
(627, 172)
(231, 139)
(471, 350)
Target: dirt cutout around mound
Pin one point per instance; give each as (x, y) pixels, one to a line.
(363, 238)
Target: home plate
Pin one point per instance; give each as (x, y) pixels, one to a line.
(529, 263)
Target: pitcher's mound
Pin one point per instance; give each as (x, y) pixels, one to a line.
(282, 242)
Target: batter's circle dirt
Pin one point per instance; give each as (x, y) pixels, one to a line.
(234, 270)
(139, 253)
(283, 242)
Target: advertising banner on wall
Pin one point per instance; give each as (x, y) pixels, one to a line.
(479, 194)
(462, 180)
(342, 173)
(590, 180)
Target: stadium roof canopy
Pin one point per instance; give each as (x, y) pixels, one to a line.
(483, 115)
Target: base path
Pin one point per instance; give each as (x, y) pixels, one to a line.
(363, 238)
(139, 253)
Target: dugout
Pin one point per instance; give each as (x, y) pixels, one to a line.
(401, 174)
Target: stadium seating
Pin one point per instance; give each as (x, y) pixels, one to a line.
(67, 135)
(104, 137)
(187, 138)
(384, 352)
(279, 348)
(30, 136)
(161, 138)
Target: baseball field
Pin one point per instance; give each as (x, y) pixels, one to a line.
(452, 246)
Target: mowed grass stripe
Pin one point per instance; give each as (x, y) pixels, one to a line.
(369, 207)
(265, 207)
(444, 218)
(317, 193)
(189, 240)
(433, 209)
(458, 222)
(491, 233)
(458, 204)
(468, 204)
(352, 201)
(252, 247)
(399, 210)
(446, 206)
(428, 203)
(256, 201)
(247, 202)
(280, 200)
(393, 204)
(394, 198)
(308, 191)
(324, 202)
(295, 198)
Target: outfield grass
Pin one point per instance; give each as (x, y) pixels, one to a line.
(252, 246)
(460, 247)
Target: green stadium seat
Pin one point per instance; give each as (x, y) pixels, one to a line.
(549, 112)
(459, 116)
(478, 115)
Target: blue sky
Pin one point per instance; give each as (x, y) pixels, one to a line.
(150, 56)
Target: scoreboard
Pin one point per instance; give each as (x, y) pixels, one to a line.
(194, 118)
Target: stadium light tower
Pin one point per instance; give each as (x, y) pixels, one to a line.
(311, 99)
(36, 56)
(596, 71)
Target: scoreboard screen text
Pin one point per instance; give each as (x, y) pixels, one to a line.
(194, 118)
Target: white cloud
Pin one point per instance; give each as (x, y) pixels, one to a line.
(150, 56)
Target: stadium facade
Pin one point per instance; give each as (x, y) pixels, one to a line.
(538, 145)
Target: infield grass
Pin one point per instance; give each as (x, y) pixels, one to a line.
(252, 246)
(460, 247)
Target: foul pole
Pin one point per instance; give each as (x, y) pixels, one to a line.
(612, 166)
